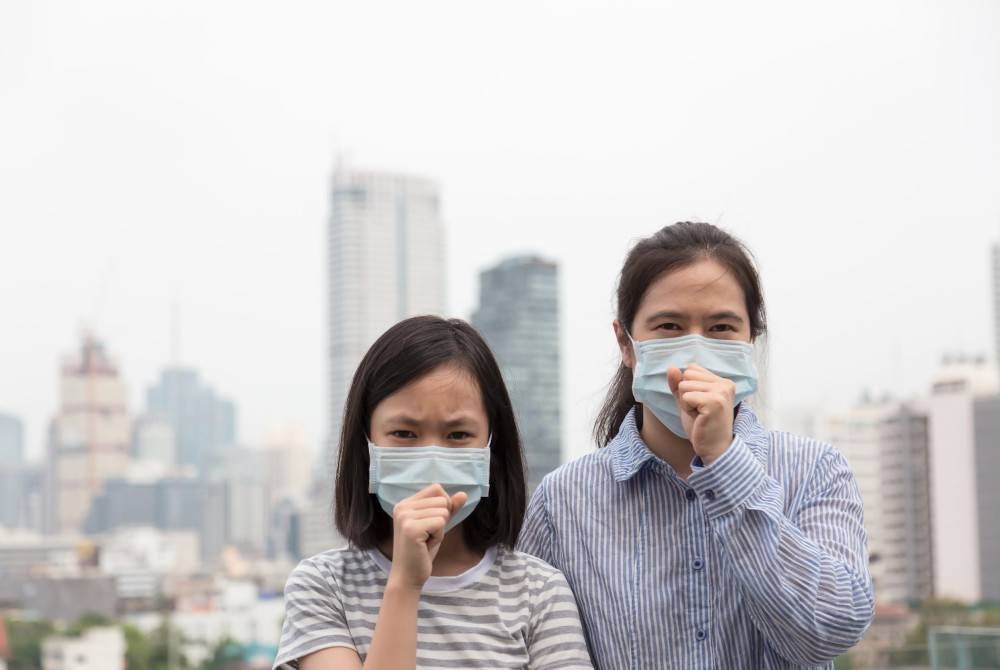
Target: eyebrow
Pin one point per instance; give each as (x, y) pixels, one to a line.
(725, 314)
(407, 420)
(715, 316)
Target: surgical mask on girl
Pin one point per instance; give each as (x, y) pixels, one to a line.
(731, 359)
(396, 473)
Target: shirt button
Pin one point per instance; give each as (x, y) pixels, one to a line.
(710, 494)
(691, 495)
(698, 564)
(701, 635)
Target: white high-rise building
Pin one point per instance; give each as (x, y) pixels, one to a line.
(964, 414)
(886, 444)
(89, 437)
(386, 262)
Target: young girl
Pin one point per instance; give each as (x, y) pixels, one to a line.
(430, 494)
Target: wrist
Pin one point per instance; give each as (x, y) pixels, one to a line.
(403, 586)
(714, 451)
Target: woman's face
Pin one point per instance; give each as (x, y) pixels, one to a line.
(443, 408)
(699, 299)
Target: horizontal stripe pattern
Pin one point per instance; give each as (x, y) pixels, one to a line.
(512, 611)
(758, 560)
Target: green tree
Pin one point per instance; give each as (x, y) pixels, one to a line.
(25, 639)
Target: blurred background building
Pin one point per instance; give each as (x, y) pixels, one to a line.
(385, 262)
(89, 438)
(518, 315)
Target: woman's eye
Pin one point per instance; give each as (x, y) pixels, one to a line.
(722, 328)
(403, 434)
(668, 326)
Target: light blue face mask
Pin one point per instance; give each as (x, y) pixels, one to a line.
(731, 359)
(396, 473)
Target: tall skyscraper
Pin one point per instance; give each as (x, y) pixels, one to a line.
(519, 317)
(89, 436)
(386, 262)
(11, 441)
(204, 423)
(965, 463)
(886, 444)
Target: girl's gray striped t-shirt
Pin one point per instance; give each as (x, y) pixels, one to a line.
(511, 610)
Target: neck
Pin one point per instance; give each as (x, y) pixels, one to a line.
(676, 451)
(453, 557)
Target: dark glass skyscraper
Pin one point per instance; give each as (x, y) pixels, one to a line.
(519, 316)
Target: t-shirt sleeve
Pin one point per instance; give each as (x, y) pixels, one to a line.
(555, 638)
(314, 616)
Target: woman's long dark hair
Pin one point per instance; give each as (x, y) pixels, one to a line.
(672, 248)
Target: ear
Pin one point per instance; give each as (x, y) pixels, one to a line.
(624, 345)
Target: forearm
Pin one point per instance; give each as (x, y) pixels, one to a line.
(394, 642)
(809, 604)
(804, 579)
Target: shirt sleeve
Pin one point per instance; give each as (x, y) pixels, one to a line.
(537, 536)
(804, 577)
(555, 635)
(314, 616)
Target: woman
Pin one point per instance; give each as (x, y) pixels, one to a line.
(697, 538)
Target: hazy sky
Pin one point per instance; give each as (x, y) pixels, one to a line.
(151, 150)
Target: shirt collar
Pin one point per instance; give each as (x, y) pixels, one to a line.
(629, 454)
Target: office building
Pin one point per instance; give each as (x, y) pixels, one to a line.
(385, 262)
(886, 444)
(204, 423)
(11, 441)
(519, 317)
(964, 459)
(89, 437)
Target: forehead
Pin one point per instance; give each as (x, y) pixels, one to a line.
(703, 285)
(445, 390)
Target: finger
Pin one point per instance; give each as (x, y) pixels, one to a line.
(434, 490)
(674, 376)
(458, 501)
(423, 529)
(424, 503)
(688, 385)
(695, 372)
(408, 515)
(704, 402)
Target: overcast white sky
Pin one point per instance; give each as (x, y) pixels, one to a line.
(152, 149)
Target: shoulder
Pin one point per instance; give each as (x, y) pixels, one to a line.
(591, 469)
(804, 463)
(790, 448)
(526, 568)
(326, 570)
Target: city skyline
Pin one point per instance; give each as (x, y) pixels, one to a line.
(855, 156)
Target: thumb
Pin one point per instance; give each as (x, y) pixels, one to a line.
(458, 500)
(674, 377)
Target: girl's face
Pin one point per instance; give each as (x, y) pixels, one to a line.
(699, 299)
(443, 408)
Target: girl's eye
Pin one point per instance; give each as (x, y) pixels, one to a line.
(459, 435)
(403, 434)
